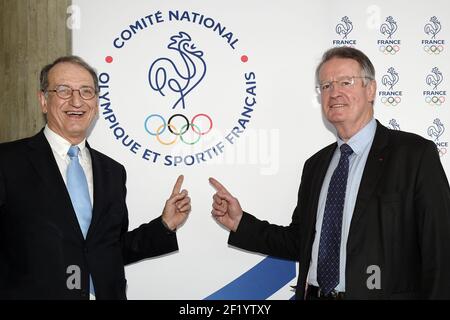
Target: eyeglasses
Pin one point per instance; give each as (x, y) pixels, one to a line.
(66, 92)
(343, 83)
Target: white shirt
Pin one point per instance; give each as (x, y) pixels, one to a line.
(60, 147)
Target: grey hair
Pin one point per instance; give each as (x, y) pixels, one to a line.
(67, 59)
(364, 62)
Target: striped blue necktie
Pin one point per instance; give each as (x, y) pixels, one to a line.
(79, 194)
(330, 236)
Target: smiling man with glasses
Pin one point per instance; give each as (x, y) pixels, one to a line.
(373, 214)
(67, 97)
(63, 216)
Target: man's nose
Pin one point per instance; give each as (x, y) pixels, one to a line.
(335, 89)
(76, 99)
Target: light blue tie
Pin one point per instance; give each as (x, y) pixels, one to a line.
(79, 194)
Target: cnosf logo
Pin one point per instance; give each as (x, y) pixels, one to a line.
(162, 92)
(343, 29)
(433, 45)
(434, 96)
(389, 46)
(390, 97)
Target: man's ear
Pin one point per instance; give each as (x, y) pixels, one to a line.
(372, 90)
(42, 101)
(97, 107)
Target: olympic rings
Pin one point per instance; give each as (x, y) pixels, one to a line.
(434, 100)
(434, 49)
(159, 139)
(173, 130)
(192, 125)
(184, 117)
(210, 123)
(391, 101)
(146, 127)
(389, 49)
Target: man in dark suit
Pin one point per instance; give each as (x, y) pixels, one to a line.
(373, 214)
(63, 217)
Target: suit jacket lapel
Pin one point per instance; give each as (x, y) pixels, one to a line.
(42, 159)
(98, 173)
(323, 164)
(372, 173)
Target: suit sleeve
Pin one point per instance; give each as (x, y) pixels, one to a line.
(270, 239)
(261, 236)
(432, 202)
(148, 240)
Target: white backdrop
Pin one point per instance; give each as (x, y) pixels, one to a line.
(283, 42)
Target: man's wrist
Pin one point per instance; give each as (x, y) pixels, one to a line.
(167, 226)
(237, 222)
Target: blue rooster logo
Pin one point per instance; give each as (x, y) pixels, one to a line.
(436, 131)
(165, 75)
(389, 28)
(344, 30)
(435, 78)
(394, 125)
(433, 28)
(390, 79)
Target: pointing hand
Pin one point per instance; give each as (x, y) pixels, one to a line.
(177, 207)
(225, 208)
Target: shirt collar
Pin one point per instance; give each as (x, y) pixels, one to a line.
(362, 139)
(59, 144)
